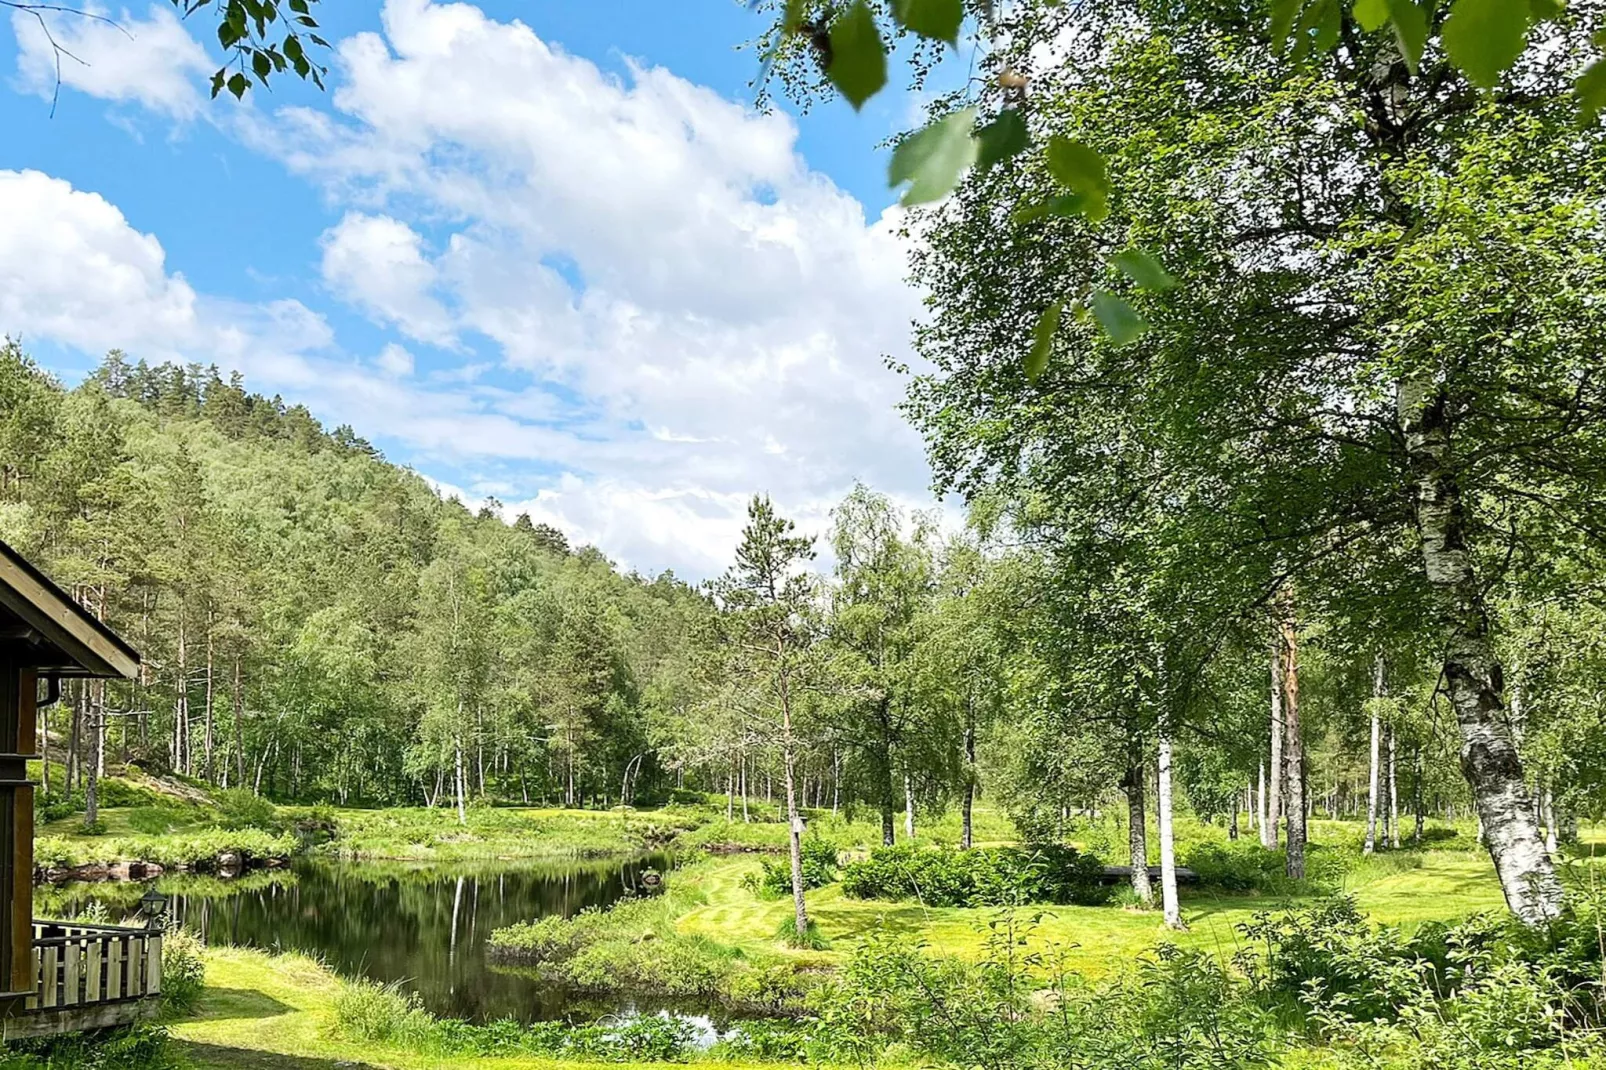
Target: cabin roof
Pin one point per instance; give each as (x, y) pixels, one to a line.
(52, 632)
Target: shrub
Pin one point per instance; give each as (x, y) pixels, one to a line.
(819, 860)
(183, 969)
(999, 876)
(384, 1014)
(239, 809)
(1236, 867)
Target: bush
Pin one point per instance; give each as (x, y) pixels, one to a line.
(1243, 866)
(775, 879)
(379, 1013)
(239, 809)
(183, 969)
(998, 876)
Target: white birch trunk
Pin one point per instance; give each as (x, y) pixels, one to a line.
(1168, 848)
(1472, 673)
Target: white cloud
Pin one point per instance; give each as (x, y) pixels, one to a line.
(153, 61)
(378, 263)
(711, 314)
(72, 269)
(659, 308)
(395, 361)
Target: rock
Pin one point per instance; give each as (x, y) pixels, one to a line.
(230, 862)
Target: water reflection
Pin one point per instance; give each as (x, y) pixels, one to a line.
(423, 926)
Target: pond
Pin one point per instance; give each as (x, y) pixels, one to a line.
(424, 927)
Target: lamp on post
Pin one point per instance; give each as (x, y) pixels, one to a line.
(153, 905)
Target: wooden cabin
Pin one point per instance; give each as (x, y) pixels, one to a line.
(60, 977)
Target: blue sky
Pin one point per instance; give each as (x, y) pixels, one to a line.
(541, 250)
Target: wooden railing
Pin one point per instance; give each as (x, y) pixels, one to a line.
(83, 965)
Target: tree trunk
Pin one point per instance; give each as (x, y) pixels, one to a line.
(1137, 833)
(92, 766)
(237, 698)
(1274, 769)
(207, 739)
(1293, 743)
(1168, 848)
(181, 709)
(1416, 792)
(908, 808)
(1394, 795)
(969, 805)
(1472, 674)
(793, 817)
(1371, 791)
(458, 776)
(1260, 805)
(1548, 806)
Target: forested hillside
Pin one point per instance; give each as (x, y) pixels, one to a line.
(317, 623)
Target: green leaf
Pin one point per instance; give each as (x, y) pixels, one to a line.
(933, 160)
(1283, 14)
(1329, 22)
(1119, 319)
(238, 84)
(1144, 270)
(1371, 15)
(1484, 37)
(1540, 10)
(217, 81)
(1001, 139)
(858, 58)
(1079, 167)
(936, 19)
(792, 15)
(1410, 29)
(1591, 89)
(1048, 324)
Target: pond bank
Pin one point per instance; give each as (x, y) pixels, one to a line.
(278, 1012)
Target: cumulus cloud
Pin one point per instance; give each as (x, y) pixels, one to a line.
(153, 61)
(695, 314)
(378, 263)
(72, 269)
(395, 361)
(651, 307)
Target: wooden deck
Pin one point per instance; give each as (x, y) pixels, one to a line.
(88, 977)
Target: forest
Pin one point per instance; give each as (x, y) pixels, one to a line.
(1251, 716)
(319, 625)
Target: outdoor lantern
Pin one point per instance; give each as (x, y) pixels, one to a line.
(153, 905)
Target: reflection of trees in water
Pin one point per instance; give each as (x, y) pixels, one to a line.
(424, 925)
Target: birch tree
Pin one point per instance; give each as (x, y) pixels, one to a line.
(768, 601)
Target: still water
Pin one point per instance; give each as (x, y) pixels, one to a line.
(424, 927)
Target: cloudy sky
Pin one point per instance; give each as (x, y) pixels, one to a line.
(542, 250)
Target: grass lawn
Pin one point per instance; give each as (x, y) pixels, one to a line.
(1448, 884)
(262, 1012)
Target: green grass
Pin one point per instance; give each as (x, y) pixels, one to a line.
(1445, 885)
(266, 1012)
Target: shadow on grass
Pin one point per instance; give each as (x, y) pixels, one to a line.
(238, 1003)
(218, 1057)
